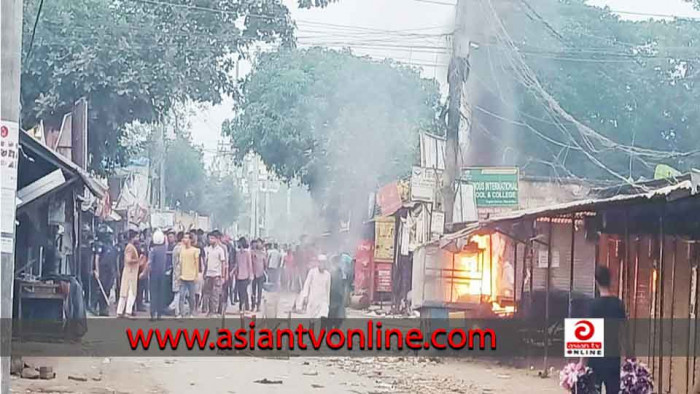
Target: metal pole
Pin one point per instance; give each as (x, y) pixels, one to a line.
(546, 299)
(10, 54)
(491, 265)
(626, 282)
(673, 304)
(661, 302)
(634, 298)
(515, 275)
(571, 270)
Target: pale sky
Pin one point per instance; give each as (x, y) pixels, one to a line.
(411, 31)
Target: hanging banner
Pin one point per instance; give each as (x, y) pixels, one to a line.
(389, 199)
(384, 232)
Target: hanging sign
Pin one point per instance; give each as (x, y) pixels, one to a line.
(493, 186)
(384, 230)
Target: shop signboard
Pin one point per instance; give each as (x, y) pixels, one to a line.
(493, 186)
(384, 233)
(424, 183)
(382, 278)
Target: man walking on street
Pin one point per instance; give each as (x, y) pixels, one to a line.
(105, 267)
(214, 272)
(189, 261)
(259, 262)
(606, 370)
(156, 274)
(244, 273)
(130, 277)
(274, 264)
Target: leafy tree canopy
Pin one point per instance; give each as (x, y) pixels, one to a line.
(339, 123)
(634, 83)
(133, 59)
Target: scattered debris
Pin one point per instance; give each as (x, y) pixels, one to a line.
(312, 373)
(316, 386)
(16, 366)
(97, 378)
(78, 378)
(106, 360)
(267, 381)
(46, 373)
(503, 376)
(305, 363)
(30, 373)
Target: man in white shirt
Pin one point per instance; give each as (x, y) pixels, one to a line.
(274, 263)
(215, 269)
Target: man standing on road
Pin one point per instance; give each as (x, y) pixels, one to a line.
(189, 261)
(274, 264)
(156, 274)
(607, 306)
(214, 272)
(244, 273)
(259, 262)
(105, 267)
(130, 277)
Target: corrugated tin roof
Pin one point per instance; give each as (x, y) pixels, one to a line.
(94, 185)
(686, 188)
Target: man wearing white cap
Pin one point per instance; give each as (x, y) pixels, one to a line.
(156, 270)
(317, 289)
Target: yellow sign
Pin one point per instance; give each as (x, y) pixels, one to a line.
(384, 240)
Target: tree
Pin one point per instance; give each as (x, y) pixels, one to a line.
(339, 123)
(633, 83)
(222, 199)
(185, 175)
(133, 59)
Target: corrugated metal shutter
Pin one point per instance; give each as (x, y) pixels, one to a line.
(584, 259)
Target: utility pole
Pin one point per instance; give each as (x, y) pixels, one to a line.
(457, 75)
(161, 170)
(10, 63)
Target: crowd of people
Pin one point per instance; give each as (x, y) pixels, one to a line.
(189, 273)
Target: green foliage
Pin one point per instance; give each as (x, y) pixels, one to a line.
(222, 199)
(304, 111)
(185, 176)
(635, 83)
(339, 123)
(133, 59)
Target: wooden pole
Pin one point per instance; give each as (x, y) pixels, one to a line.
(571, 268)
(546, 299)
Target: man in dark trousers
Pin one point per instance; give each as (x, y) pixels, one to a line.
(105, 267)
(607, 306)
(157, 259)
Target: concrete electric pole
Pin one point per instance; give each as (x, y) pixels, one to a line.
(457, 75)
(10, 63)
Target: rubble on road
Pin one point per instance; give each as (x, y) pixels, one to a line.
(268, 381)
(29, 373)
(395, 375)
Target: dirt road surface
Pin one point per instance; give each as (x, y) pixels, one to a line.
(297, 375)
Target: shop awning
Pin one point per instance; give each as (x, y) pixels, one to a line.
(32, 145)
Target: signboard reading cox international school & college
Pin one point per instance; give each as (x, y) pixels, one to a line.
(493, 186)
